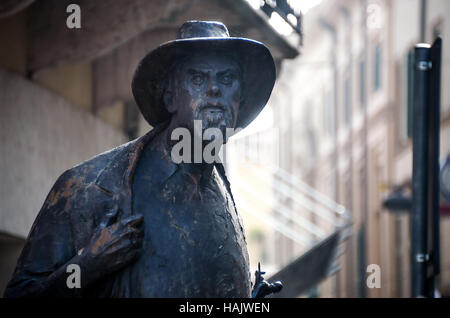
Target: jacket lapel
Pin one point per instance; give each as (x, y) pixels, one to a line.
(117, 177)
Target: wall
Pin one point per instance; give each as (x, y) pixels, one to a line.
(41, 136)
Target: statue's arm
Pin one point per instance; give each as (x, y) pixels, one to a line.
(111, 248)
(42, 268)
(49, 284)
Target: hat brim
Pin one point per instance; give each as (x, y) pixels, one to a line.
(256, 61)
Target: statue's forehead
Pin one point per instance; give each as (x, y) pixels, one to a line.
(210, 61)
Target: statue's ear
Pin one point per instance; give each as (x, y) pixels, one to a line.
(168, 101)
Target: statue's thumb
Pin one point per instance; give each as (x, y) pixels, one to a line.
(110, 218)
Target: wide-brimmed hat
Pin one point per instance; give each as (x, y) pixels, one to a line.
(258, 69)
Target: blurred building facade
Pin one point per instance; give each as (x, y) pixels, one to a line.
(342, 112)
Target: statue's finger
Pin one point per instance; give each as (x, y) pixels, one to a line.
(134, 220)
(276, 287)
(109, 218)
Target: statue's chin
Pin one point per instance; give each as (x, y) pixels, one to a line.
(219, 123)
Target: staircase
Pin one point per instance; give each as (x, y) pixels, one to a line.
(305, 216)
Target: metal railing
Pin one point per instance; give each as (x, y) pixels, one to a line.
(298, 211)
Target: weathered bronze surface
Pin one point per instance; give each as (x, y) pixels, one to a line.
(136, 223)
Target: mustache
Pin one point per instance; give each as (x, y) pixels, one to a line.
(217, 105)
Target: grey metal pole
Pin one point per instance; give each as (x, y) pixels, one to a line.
(423, 20)
(420, 170)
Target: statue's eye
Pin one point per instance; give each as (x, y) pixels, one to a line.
(227, 79)
(197, 79)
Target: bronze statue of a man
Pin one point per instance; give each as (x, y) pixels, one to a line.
(136, 223)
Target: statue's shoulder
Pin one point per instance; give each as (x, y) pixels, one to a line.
(114, 160)
(88, 170)
(104, 171)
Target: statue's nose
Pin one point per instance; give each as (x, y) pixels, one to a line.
(213, 89)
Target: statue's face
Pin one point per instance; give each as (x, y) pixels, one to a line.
(205, 87)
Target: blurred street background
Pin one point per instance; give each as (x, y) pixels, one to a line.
(310, 176)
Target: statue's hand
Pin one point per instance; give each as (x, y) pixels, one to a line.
(263, 288)
(114, 244)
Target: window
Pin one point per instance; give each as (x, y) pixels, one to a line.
(407, 95)
(362, 83)
(377, 66)
(347, 100)
(329, 112)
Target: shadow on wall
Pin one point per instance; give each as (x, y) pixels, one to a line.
(10, 248)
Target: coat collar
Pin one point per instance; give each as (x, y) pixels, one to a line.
(116, 178)
(124, 161)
